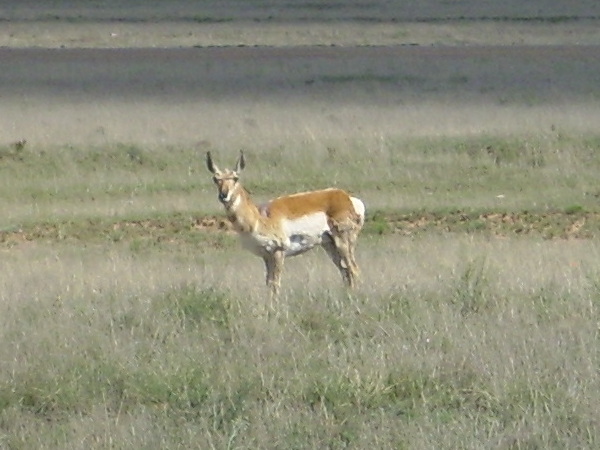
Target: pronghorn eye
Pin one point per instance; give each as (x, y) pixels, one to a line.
(215, 180)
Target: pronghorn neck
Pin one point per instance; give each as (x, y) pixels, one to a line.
(243, 212)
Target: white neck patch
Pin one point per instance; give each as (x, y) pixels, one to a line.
(236, 202)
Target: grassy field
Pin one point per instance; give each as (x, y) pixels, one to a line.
(127, 322)
(453, 341)
(131, 318)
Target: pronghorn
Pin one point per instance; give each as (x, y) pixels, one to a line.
(292, 224)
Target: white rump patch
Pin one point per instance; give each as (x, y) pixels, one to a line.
(304, 232)
(359, 207)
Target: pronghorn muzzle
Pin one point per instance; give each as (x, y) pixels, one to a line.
(223, 197)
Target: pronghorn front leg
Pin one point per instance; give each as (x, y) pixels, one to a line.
(274, 267)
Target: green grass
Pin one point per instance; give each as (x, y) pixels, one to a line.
(487, 172)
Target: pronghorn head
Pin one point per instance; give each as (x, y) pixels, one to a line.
(227, 180)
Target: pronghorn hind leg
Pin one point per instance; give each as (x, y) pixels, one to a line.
(340, 257)
(340, 248)
(274, 267)
(352, 238)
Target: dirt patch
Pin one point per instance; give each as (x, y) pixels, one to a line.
(554, 225)
(551, 225)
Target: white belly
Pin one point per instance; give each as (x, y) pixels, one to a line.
(304, 233)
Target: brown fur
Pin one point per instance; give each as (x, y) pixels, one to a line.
(335, 203)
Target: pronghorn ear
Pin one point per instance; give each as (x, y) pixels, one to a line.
(241, 162)
(210, 165)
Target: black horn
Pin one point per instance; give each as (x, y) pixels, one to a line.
(209, 163)
(241, 162)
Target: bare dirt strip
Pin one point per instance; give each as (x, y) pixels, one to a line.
(184, 228)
